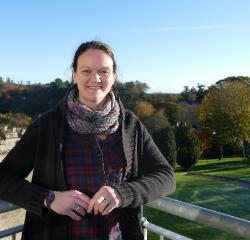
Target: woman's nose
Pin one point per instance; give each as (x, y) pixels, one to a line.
(95, 76)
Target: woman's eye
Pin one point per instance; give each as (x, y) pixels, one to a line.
(104, 72)
(85, 71)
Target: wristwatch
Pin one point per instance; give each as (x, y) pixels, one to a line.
(49, 199)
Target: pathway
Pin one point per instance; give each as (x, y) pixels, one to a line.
(241, 183)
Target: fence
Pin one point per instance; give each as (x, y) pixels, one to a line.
(227, 223)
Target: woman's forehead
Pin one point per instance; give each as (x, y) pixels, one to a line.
(94, 57)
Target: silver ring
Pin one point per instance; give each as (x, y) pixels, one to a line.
(76, 207)
(100, 199)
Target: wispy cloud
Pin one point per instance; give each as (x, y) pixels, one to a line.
(167, 29)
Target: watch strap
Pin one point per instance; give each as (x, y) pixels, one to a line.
(49, 199)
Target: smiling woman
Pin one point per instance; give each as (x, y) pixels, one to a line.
(94, 77)
(94, 163)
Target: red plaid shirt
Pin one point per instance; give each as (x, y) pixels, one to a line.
(89, 164)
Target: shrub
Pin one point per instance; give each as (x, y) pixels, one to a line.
(165, 140)
(15, 119)
(188, 145)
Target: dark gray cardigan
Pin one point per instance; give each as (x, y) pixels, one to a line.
(147, 177)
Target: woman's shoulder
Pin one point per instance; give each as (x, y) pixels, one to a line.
(130, 116)
(131, 120)
(50, 116)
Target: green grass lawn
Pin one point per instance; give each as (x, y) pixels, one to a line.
(228, 167)
(215, 195)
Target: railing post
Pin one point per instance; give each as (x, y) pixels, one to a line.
(145, 231)
(145, 234)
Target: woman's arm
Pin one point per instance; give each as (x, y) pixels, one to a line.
(15, 167)
(155, 175)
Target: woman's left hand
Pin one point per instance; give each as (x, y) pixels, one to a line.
(104, 201)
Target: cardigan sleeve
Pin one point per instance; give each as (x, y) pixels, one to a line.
(15, 167)
(155, 175)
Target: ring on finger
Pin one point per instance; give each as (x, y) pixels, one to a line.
(100, 199)
(76, 208)
(105, 200)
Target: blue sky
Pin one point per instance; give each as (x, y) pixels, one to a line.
(168, 44)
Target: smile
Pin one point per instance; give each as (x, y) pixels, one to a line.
(94, 87)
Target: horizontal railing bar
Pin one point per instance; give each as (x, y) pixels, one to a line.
(162, 231)
(7, 207)
(234, 225)
(11, 231)
(227, 223)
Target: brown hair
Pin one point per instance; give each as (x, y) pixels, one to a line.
(93, 45)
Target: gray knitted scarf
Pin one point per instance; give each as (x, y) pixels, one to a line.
(84, 120)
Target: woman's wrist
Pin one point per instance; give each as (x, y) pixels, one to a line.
(49, 199)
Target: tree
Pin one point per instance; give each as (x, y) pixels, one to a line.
(144, 109)
(172, 111)
(188, 95)
(187, 113)
(31, 100)
(188, 145)
(205, 136)
(131, 92)
(59, 83)
(152, 118)
(226, 110)
(165, 140)
(234, 79)
(193, 95)
(158, 125)
(247, 147)
(200, 92)
(1, 81)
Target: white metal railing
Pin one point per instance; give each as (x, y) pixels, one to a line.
(224, 222)
(11, 232)
(162, 232)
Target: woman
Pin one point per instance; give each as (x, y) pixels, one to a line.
(93, 161)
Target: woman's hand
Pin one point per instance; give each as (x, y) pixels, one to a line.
(71, 203)
(104, 201)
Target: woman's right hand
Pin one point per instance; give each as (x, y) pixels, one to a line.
(70, 202)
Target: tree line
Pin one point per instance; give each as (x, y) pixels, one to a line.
(199, 122)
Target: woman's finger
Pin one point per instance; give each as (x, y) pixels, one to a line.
(68, 201)
(105, 203)
(82, 196)
(78, 209)
(104, 194)
(74, 216)
(108, 209)
(96, 199)
(100, 202)
(84, 205)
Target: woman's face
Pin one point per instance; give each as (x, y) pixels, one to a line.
(94, 77)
